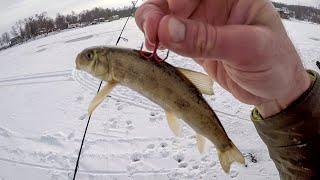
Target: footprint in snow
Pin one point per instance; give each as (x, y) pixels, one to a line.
(112, 119)
(16, 151)
(183, 165)
(155, 116)
(114, 125)
(60, 135)
(71, 136)
(48, 139)
(79, 98)
(178, 157)
(105, 104)
(135, 157)
(164, 153)
(55, 176)
(149, 151)
(120, 107)
(212, 164)
(82, 117)
(163, 145)
(70, 175)
(204, 158)
(233, 173)
(4, 132)
(129, 125)
(195, 166)
(151, 146)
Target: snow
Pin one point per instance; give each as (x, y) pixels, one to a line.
(43, 116)
(311, 3)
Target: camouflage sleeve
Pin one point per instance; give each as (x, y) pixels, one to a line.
(293, 135)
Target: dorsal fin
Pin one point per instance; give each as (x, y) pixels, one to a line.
(202, 81)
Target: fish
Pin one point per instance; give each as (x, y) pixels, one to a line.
(178, 91)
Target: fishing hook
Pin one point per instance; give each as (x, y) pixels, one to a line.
(153, 56)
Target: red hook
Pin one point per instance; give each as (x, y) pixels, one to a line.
(154, 56)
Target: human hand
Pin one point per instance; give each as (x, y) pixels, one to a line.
(242, 44)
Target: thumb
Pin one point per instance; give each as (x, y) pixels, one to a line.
(183, 8)
(196, 39)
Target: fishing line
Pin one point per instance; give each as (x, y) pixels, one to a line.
(134, 3)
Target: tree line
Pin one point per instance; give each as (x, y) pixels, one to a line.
(303, 13)
(33, 26)
(38, 24)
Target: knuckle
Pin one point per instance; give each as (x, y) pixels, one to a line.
(204, 40)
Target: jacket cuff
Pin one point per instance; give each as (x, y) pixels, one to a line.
(296, 124)
(293, 135)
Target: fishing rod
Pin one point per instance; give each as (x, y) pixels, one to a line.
(134, 3)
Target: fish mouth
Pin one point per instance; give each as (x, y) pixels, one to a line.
(77, 66)
(77, 62)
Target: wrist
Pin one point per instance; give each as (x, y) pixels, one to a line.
(275, 106)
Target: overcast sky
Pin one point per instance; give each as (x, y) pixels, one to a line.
(13, 10)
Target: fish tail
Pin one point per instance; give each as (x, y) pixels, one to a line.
(229, 156)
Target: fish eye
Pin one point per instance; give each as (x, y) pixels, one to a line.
(89, 55)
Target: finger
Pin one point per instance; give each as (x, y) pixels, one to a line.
(200, 61)
(199, 40)
(148, 17)
(150, 46)
(183, 8)
(161, 46)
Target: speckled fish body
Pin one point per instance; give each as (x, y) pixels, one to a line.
(165, 85)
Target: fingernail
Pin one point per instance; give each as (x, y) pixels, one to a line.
(177, 30)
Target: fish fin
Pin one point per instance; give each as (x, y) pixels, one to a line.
(229, 156)
(174, 123)
(202, 81)
(201, 142)
(103, 93)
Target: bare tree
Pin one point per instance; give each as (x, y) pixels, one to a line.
(40, 23)
(19, 27)
(5, 38)
(72, 18)
(14, 31)
(302, 12)
(1, 42)
(61, 22)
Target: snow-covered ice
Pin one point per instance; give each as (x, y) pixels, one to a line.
(43, 116)
(311, 3)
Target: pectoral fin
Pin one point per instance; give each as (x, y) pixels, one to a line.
(201, 142)
(202, 81)
(103, 93)
(174, 123)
